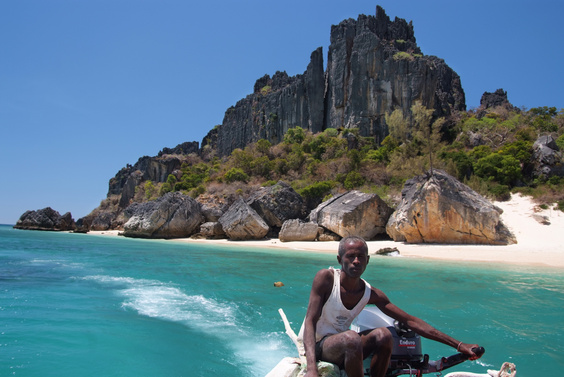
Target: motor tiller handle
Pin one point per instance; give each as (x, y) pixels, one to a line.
(460, 357)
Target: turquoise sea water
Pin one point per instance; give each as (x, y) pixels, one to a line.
(86, 305)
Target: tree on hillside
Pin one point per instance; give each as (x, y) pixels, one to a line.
(398, 126)
(429, 135)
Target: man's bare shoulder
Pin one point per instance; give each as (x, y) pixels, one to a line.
(324, 274)
(377, 296)
(323, 278)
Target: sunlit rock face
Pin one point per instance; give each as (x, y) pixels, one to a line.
(439, 209)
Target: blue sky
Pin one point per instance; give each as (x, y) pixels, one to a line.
(87, 87)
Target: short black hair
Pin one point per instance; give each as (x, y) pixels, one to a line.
(351, 239)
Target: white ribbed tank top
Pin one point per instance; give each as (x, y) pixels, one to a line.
(335, 317)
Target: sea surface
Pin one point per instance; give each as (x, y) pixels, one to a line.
(88, 305)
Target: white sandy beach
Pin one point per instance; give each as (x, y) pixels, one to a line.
(537, 244)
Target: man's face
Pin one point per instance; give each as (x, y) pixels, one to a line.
(353, 262)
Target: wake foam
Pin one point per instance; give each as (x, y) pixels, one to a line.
(155, 299)
(228, 322)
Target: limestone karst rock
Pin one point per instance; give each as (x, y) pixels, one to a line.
(440, 209)
(173, 215)
(374, 66)
(45, 219)
(298, 230)
(241, 222)
(212, 230)
(353, 214)
(546, 160)
(277, 203)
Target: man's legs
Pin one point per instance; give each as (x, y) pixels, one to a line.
(378, 342)
(345, 350)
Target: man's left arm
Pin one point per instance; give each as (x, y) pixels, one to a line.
(421, 327)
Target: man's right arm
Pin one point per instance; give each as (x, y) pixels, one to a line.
(320, 290)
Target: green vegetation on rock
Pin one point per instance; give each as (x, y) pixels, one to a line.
(490, 151)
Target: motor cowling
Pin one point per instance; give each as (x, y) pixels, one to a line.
(407, 344)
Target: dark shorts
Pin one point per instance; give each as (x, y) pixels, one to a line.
(319, 348)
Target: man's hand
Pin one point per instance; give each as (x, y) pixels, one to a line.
(467, 349)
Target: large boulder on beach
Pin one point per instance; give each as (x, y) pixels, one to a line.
(45, 219)
(212, 230)
(438, 208)
(241, 222)
(298, 230)
(353, 213)
(103, 220)
(173, 215)
(276, 204)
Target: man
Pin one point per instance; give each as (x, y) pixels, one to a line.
(337, 297)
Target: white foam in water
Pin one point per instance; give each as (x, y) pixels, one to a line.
(156, 299)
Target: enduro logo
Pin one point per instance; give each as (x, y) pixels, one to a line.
(407, 343)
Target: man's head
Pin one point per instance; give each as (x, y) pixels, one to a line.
(353, 256)
(349, 240)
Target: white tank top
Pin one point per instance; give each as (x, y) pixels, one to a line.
(335, 317)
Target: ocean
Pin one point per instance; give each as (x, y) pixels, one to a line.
(88, 305)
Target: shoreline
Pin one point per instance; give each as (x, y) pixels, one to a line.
(538, 245)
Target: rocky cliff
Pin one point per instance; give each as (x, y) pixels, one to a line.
(374, 67)
(155, 169)
(278, 103)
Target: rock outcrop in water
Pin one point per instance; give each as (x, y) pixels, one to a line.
(45, 219)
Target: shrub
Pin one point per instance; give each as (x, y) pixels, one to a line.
(197, 191)
(462, 162)
(317, 146)
(235, 174)
(522, 150)
(262, 166)
(242, 159)
(560, 142)
(294, 136)
(331, 132)
(402, 55)
(500, 168)
(165, 188)
(263, 146)
(150, 190)
(281, 166)
(317, 190)
(500, 192)
(296, 158)
(353, 180)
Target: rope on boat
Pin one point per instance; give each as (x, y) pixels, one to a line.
(507, 370)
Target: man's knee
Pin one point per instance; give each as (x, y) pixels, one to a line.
(380, 338)
(341, 347)
(351, 340)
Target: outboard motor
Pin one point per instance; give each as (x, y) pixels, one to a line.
(407, 355)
